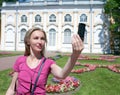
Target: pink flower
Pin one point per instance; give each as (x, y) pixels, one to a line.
(111, 67)
(77, 63)
(92, 67)
(79, 70)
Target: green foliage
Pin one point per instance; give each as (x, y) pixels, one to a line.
(6, 1)
(111, 4)
(114, 27)
(112, 9)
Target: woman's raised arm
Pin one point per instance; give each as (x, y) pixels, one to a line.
(77, 46)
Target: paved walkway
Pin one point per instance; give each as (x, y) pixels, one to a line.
(7, 62)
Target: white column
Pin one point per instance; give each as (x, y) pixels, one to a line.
(59, 45)
(76, 21)
(91, 26)
(45, 21)
(30, 19)
(3, 17)
(16, 31)
(45, 25)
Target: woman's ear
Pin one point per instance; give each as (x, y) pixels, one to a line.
(28, 43)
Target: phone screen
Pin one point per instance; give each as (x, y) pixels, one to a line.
(81, 30)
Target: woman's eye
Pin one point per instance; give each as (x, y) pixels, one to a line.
(36, 38)
(42, 38)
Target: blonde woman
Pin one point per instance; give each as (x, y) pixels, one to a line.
(27, 66)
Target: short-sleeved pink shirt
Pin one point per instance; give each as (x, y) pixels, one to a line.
(26, 76)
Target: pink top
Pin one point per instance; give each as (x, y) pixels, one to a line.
(26, 76)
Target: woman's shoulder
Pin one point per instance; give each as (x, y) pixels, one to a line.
(21, 58)
(18, 62)
(50, 60)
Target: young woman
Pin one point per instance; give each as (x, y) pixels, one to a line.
(26, 67)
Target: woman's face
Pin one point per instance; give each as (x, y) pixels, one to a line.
(37, 41)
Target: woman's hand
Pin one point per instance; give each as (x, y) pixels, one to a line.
(77, 45)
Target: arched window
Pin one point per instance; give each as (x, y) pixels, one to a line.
(52, 18)
(23, 18)
(68, 18)
(52, 37)
(37, 18)
(10, 36)
(67, 36)
(22, 34)
(83, 18)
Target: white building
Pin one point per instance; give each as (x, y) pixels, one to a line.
(59, 18)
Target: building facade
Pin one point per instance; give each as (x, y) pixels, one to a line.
(59, 19)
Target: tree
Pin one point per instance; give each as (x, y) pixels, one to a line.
(112, 10)
(6, 1)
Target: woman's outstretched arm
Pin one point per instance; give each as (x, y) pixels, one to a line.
(77, 46)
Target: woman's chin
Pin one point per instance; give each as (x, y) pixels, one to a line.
(38, 50)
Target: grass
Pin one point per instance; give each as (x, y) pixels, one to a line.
(99, 82)
(9, 53)
(5, 80)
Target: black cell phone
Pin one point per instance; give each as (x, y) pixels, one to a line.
(81, 30)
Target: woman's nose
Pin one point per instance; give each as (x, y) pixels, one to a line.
(40, 40)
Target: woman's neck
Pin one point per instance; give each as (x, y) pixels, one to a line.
(35, 56)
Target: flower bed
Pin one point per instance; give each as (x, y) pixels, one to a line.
(92, 67)
(102, 57)
(68, 84)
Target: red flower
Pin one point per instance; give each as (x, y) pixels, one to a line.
(67, 84)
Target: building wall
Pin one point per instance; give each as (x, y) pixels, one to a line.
(11, 26)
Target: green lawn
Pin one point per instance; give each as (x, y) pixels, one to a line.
(10, 53)
(99, 82)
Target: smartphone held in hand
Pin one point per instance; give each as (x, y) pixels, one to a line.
(81, 30)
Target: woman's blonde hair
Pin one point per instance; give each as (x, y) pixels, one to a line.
(27, 40)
